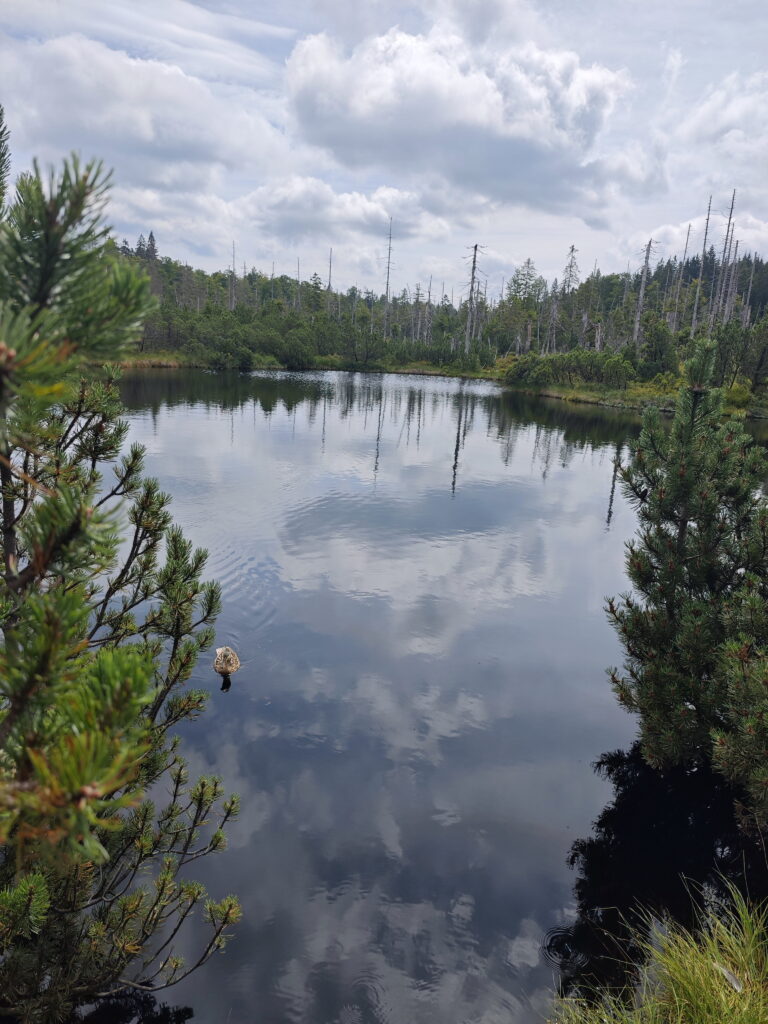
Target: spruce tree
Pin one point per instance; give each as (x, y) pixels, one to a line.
(703, 537)
(103, 612)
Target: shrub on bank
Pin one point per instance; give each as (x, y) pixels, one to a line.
(577, 367)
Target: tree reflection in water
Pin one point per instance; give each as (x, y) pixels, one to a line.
(133, 1007)
(667, 842)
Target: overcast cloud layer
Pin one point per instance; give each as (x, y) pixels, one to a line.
(293, 128)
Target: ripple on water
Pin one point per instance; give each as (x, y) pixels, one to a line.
(245, 579)
(558, 948)
(368, 991)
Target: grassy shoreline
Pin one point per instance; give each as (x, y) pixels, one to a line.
(716, 974)
(635, 398)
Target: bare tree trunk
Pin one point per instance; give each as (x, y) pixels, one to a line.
(584, 326)
(746, 312)
(732, 283)
(471, 302)
(428, 324)
(694, 320)
(386, 294)
(641, 297)
(723, 280)
(666, 290)
(480, 315)
(715, 304)
(673, 325)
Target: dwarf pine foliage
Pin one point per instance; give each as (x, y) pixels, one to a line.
(741, 742)
(694, 625)
(103, 613)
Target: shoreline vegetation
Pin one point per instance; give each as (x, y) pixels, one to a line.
(616, 340)
(634, 398)
(714, 973)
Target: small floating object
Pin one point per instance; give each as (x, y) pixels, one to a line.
(226, 663)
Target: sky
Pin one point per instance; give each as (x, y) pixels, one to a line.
(293, 128)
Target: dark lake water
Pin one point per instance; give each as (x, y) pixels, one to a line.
(413, 575)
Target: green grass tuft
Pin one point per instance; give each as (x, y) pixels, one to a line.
(719, 975)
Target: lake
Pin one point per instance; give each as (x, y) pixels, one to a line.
(414, 572)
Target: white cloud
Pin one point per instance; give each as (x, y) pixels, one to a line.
(731, 121)
(673, 65)
(216, 46)
(301, 207)
(512, 123)
(515, 126)
(155, 123)
(669, 238)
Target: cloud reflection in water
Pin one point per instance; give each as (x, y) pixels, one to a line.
(422, 686)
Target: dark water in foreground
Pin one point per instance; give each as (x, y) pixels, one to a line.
(413, 573)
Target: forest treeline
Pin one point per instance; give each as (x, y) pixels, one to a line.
(606, 330)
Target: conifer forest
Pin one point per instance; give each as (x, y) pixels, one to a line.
(605, 330)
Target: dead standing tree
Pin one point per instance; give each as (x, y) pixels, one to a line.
(717, 300)
(471, 301)
(641, 297)
(386, 292)
(679, 282)
(694, 320)
(732, 285)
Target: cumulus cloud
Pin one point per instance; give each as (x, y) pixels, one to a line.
(290, 215)
(497, 121)
(302, 207)
(713, 144)
(732, 121)
(516, 126)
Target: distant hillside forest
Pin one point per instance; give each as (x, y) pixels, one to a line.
(607, 329)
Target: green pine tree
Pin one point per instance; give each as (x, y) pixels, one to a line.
(741, 742)
(703, 534)
(103, 613)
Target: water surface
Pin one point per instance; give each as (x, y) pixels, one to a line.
(413, 573)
